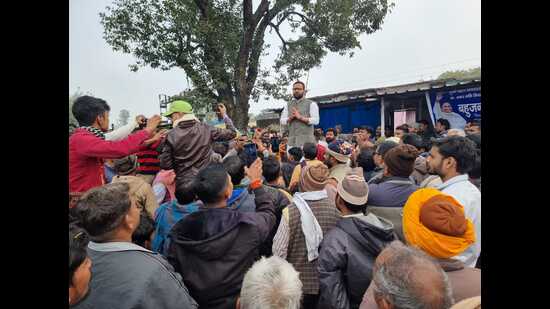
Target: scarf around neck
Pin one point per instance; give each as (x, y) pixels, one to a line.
(94, 131)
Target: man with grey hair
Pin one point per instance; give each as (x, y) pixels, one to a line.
(405, 277)
(110, 215)
(271, 283)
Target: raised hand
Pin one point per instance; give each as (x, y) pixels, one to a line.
(255, 171)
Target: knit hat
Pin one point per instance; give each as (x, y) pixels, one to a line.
(314, 177)
(354, 190)
(400, 160)
(435, 223)
(179, 106)
(126, 165)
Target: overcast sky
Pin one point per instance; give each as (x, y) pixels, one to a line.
(418, 40)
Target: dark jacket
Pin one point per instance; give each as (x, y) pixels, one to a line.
(213, 248)
(188, 148)
(243, 200)
(127, 276)
(280, 200)
(346, 259)
(391, 192)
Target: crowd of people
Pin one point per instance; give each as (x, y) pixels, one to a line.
(205, 216)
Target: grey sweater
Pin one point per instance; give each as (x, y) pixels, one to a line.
(125, 275)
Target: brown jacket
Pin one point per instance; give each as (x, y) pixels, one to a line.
(188, 148)
(327, 215)
(143, 192)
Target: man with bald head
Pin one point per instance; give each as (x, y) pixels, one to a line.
(426, 285)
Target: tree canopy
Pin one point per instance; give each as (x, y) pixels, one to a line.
(220, 43)
(461, 74)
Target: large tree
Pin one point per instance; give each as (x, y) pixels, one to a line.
(219, 43)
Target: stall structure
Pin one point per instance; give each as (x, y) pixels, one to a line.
(395, 105)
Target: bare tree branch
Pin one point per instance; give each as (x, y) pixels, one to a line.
(285, 43)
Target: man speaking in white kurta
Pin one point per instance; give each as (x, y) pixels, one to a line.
(300, 114)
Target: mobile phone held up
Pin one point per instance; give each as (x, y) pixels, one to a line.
(251, 151)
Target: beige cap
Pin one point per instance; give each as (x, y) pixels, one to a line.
(354, 190)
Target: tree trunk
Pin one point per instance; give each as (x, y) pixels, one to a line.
(242, 106)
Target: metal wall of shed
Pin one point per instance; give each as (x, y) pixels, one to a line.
(349, 115)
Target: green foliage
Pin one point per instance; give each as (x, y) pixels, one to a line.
(462, 74)
(219, 43)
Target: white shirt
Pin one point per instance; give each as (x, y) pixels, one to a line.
(469, 196)
(313, 113)
(122, 132)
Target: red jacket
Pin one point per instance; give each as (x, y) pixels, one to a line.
(86, 154)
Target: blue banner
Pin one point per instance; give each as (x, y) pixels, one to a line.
(457, 106)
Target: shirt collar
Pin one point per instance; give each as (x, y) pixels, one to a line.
(357, 215)
(115, 246)
(452, 181)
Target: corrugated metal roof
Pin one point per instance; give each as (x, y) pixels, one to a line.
(391, 90)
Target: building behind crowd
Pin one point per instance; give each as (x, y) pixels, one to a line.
(395, 105)
(391, 106)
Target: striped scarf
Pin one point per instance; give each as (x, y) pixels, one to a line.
(94, 131)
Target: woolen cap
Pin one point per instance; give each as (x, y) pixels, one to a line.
(314, 177)
(400, 160)
(354, 190)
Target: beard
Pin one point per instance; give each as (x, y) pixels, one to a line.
(436, 170)
(298, 96)
(329, 140)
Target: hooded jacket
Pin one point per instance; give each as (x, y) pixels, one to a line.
(241, 200)
(213, 249)
(188, 148)
(347, 257)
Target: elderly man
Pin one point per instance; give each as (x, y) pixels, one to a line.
(336, 159)
(425, 286)
(126, 169)
(300, 114)
(310, 216)
(348, 251)
(125, 275)
(271, 283)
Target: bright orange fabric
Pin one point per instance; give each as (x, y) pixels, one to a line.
(433, 243)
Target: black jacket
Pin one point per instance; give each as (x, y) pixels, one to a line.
(213, 248)
(280, 200)
(346, 258)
